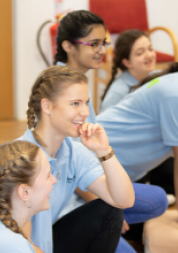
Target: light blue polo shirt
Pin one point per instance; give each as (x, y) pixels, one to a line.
(92, 117)
(13, 242)
(118, 90)
(143, 127)
(74, 166)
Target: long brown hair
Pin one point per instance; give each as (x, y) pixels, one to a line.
(122, 50)
(17, 166)
(50, 84)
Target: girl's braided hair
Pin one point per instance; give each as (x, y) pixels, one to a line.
(50, 84)
(17, 166)
(122, 50)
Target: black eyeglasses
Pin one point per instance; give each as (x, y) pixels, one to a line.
(97, 46)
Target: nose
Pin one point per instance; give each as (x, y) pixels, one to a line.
(102, 49)
(53, 179)
(85, 111)
(149, 53)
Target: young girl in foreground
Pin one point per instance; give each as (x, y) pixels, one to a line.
(59, 101)
(25, 185)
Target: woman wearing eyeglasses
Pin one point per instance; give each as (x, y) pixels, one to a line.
(81, 44)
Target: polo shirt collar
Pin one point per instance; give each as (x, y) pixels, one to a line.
(129, 79)
(62, 152)
(60, 63)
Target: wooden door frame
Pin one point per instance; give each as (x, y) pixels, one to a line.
(6, 61)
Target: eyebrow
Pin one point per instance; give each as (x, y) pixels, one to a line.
(98, 40)
(143, 47)
(78, 100)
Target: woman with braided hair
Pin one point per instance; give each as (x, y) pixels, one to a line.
(81, 44)
(59, 102)
(25, 185)
(135, 57)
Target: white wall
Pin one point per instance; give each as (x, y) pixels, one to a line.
(29, 15)
(163, 13)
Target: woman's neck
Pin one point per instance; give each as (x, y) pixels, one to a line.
(19, 211)
(21, 216)
(138, 76)
(73, 64)
(50, 137)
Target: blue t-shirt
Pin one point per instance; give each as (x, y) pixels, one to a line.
(74, 166)
(118, 90)
(11, 242)
(143, 127)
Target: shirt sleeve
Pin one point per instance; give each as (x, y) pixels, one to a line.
(111, 99)
(16, 244)
(88, 167)
(169, 121)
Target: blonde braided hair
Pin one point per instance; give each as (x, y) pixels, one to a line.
(50, 84)
(17, 166)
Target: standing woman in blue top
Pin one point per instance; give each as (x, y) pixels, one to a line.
(59, 101)
(25, 185)
(136, 59)
(81, 44)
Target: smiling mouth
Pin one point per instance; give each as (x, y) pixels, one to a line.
(78, 122)
(98, 59)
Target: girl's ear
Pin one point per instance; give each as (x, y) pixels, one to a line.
(23, 192)
(67, 46)
(46, 105)
(126, 63)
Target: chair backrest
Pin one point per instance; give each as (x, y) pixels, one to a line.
(121, 15)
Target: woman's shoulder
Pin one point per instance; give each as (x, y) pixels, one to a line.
(123, 82)
(13, 242)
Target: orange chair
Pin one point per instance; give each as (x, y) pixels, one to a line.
(118, 16)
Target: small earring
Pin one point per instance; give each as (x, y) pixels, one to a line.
(28, 203)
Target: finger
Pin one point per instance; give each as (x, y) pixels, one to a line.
(84, 126)
(96, 127)
(90, 129)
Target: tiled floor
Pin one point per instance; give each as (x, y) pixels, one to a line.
(137, 245)
(10, 130)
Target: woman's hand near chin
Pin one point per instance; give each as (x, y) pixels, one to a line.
(93, 136)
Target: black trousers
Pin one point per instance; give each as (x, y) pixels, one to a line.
(163, 176)
(92, 228)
